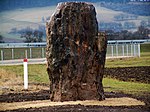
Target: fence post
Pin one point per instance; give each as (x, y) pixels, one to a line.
(122, 49)
(127, 48)
(117, 50)
(2, 58)
(112, 51)
(25, 73)
(30, 52)
(131, 50)
(26, 54)
(139, 50)
(42, 52)
(134, 50)
(12, 53)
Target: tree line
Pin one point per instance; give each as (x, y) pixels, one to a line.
(32, 36)
(141, 33)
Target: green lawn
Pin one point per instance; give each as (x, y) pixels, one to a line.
(125, 87)
(37, 73)
(145, 47)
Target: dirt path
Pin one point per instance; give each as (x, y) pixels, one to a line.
(124, 101)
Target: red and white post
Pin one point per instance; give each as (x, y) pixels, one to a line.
(25, 64)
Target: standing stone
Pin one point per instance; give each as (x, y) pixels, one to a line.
(75, 53)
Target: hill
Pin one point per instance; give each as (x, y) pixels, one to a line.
(17, 17)
(14, 4)
(138, 8)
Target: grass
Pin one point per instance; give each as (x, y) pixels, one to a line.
(125, 87)
(145, 47)
(129, 87)
(11, 78)
(37, 73)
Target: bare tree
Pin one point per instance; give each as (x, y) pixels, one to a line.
(36, 36)
(1, 39)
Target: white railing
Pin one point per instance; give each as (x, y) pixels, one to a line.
(115, 48)
(123, 50)
(22, 52)
(43, 44)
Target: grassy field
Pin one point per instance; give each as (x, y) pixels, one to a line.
(113, 85)
(38, 74)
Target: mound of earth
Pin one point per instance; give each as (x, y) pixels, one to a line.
(25, 96)
(139, 74)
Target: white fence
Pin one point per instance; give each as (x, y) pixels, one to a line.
(123, 50)
(113, 50)
(22, 52)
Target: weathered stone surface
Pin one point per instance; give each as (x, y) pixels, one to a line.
(75, 53)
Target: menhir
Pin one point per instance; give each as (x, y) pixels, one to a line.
(75, 53)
